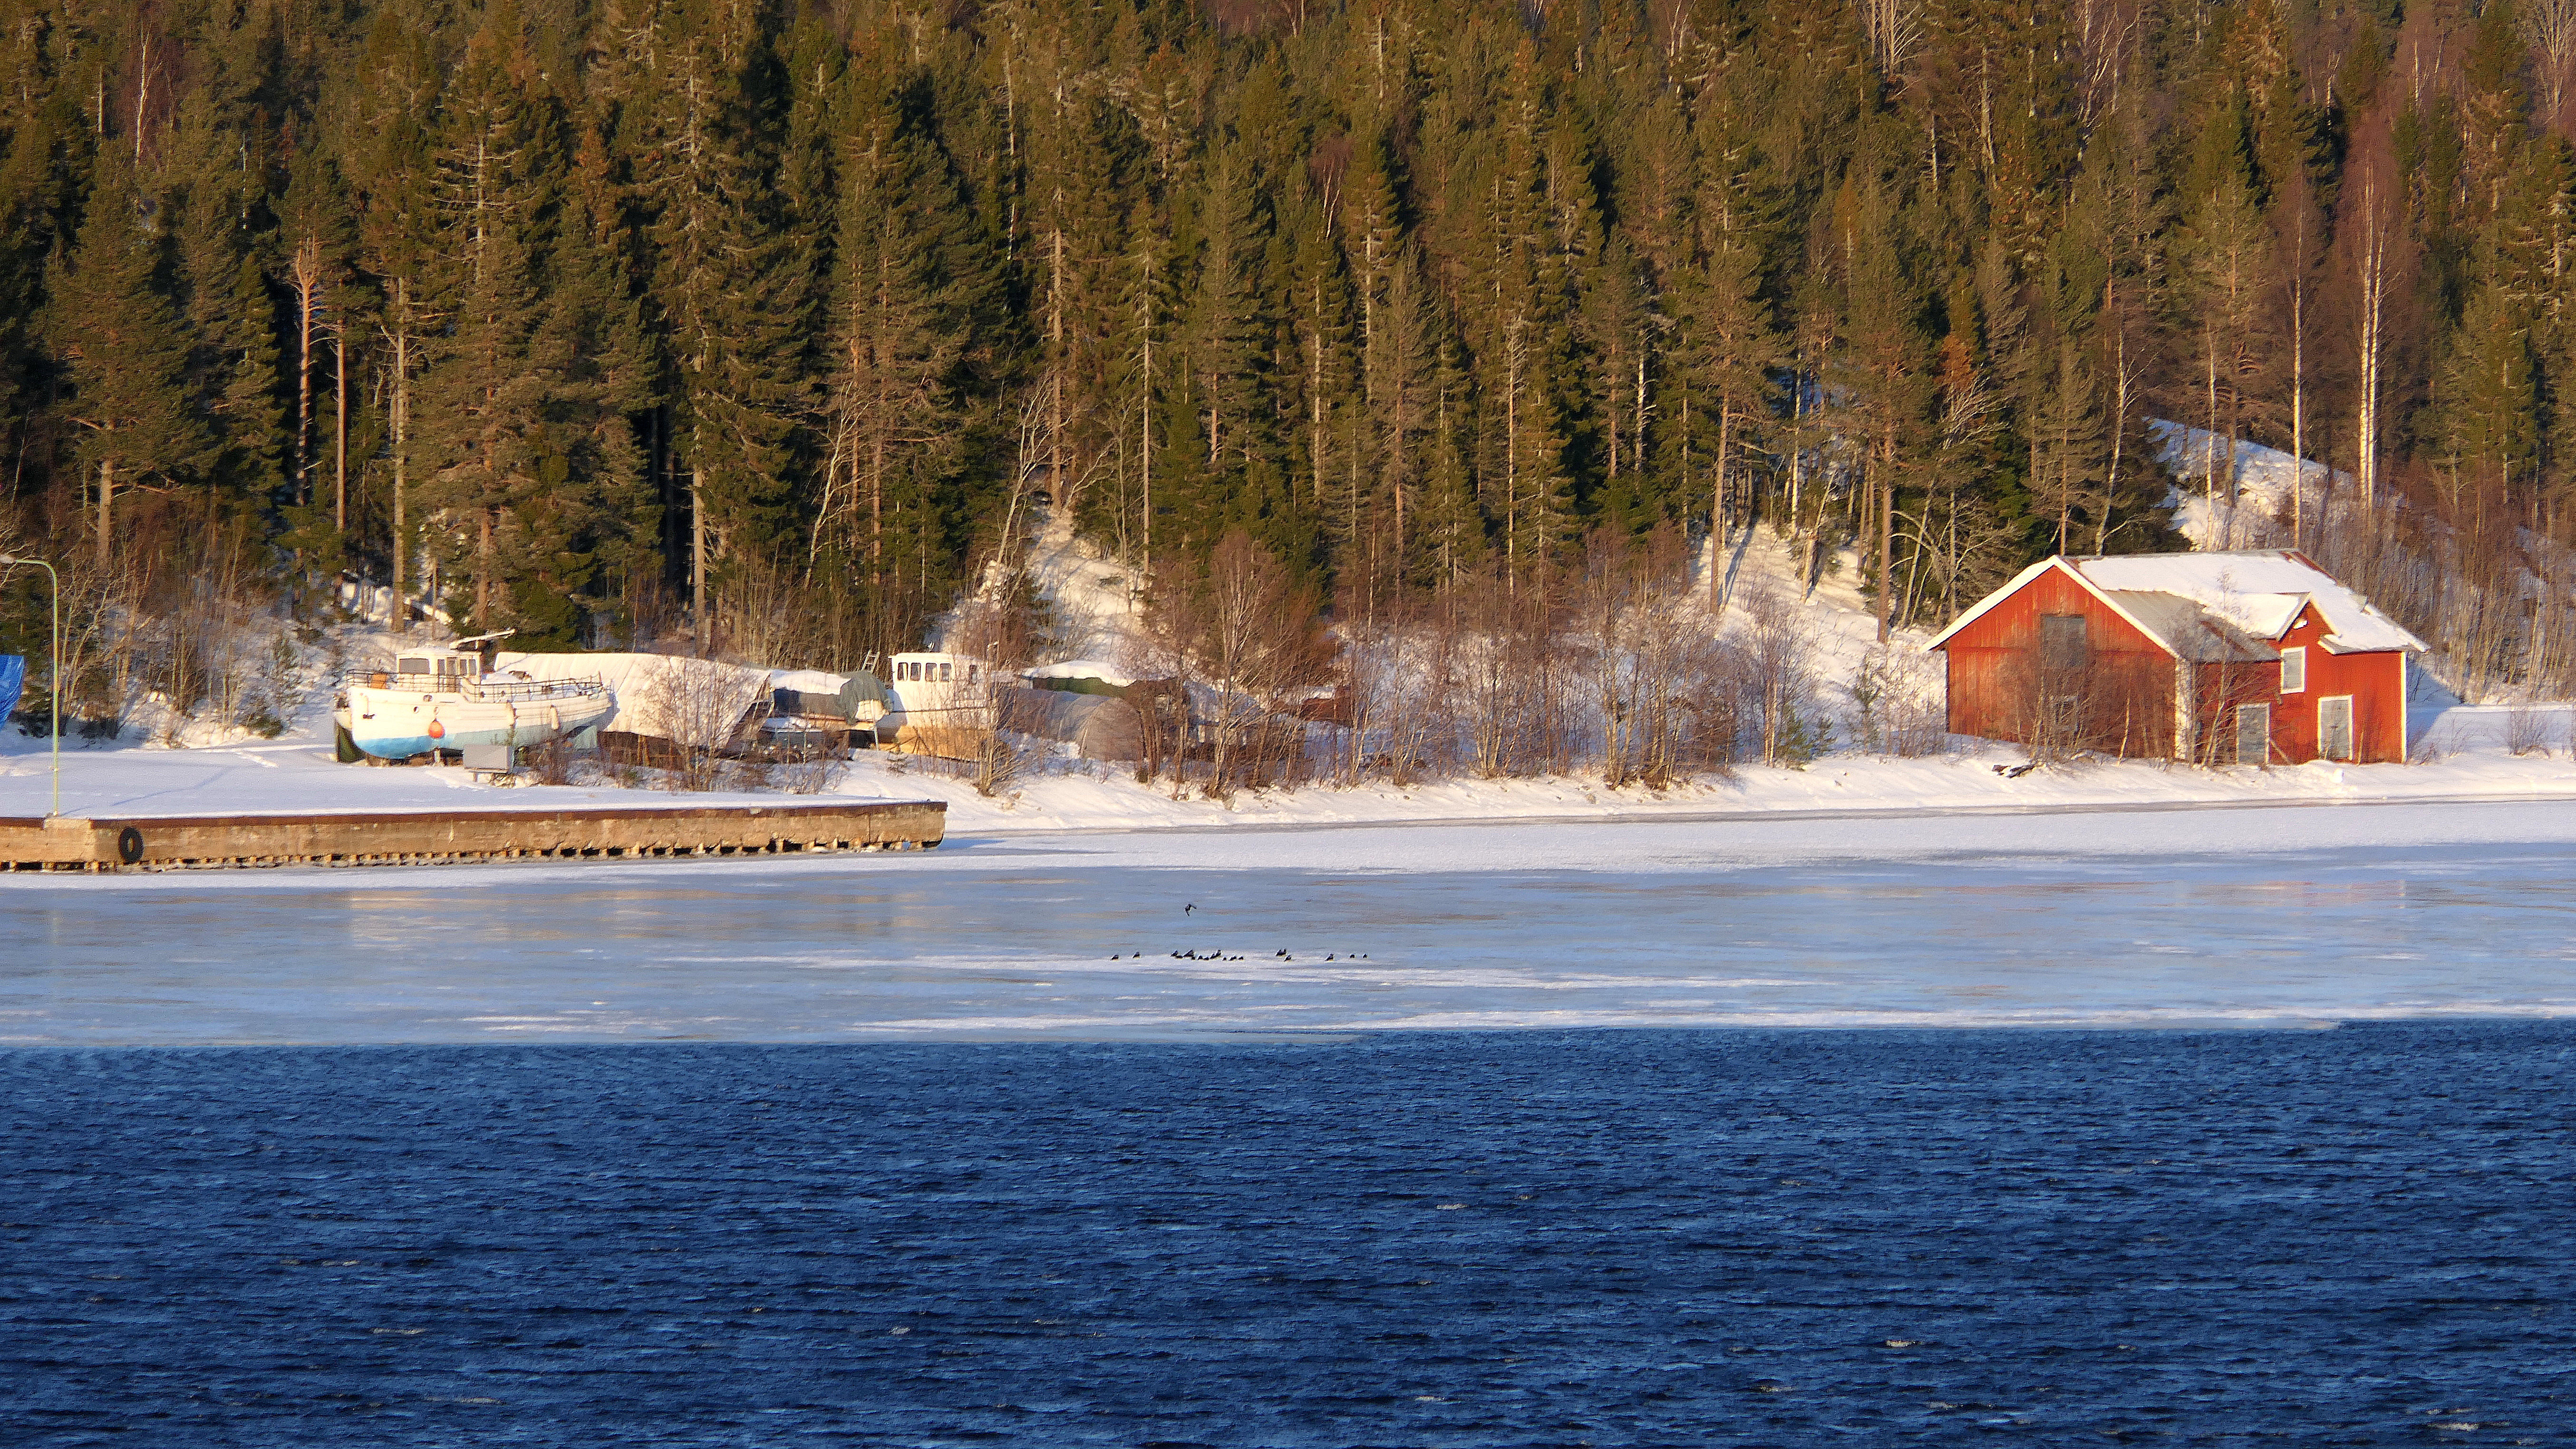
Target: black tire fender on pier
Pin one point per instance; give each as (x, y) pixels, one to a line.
(129, 845)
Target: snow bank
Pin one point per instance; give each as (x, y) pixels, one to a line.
(297, 773)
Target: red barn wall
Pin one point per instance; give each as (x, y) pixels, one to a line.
(2218, 689)
(1991, 660)
(2376, 682)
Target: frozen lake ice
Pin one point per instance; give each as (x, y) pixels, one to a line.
(2256, 916)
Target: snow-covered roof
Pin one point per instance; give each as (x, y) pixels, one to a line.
(807, 681)
(2260, 591)
(635, 683)
(2215, 606)
(2189, 630)
(1080, 669)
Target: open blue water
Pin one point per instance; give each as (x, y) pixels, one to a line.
(2354, 1236)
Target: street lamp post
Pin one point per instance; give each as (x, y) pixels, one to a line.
(54, 673)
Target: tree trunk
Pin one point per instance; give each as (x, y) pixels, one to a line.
(1056, 369)
(401, 338)
(2119, 426)
(2374, 276)
(698, 556)
(106, 505)
(307, 282)
(1717, 513)
(2209, 447)
(2299, 390)
(483, 572)
(340, 432)
(1886, 546)
(1511, 459)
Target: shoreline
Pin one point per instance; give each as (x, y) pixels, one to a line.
(1935, 810)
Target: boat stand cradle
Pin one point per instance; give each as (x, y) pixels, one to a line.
(445, 837)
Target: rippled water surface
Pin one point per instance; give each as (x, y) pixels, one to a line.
(2359, 1235)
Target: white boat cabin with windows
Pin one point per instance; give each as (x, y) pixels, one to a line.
(926, 669)
(938, 703)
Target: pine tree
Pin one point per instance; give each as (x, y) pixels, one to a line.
(2488, 400)
(1228, 363)
(214, 204)
(1454, 547)
(1881, 373)
(483, 403)
(392, 174)
(728, 285)
(126, 352)
(2066, 437)
(2226, 254)
(910, 302)
(592, 514)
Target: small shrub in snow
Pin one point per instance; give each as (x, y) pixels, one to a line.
(2529, 731)
(808, 772)
(1903, 701)
(1779, 660)
(997, 765)
(552, 762)
(1798, 739)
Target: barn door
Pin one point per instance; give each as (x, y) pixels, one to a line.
(2334, 727)
(2253, 734)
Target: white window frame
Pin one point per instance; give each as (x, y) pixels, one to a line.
(2295, 656)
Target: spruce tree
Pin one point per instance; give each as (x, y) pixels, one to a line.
(908, 303)
(729, 286)
(125, 353)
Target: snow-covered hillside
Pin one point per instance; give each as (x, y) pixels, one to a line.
(2266, 479)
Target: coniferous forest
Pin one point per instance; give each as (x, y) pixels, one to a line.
(775, 323)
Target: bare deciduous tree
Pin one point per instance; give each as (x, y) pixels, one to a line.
(699, 706)
(1248, 635)
(1779, 644)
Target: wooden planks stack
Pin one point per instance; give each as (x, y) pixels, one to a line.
(439, 837)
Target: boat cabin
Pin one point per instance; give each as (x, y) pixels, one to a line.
(939, 703)
(440, 663)
(463, 659)
(933, 668)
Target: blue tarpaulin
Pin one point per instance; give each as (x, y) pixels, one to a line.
(13, 678)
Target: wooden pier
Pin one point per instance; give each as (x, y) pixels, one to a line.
(451, 837)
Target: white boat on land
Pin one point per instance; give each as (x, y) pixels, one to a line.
(448, 697)
(940, 704)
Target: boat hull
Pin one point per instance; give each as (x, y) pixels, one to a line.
(396, 724)
(935, 734)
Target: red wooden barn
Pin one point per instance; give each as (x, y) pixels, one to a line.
(2221, 658)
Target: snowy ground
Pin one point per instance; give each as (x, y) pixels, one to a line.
(2466, 748)
(2187, 918)
(297, 773)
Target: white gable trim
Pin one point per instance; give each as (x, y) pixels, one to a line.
(1978, 610)
(2023, 580)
